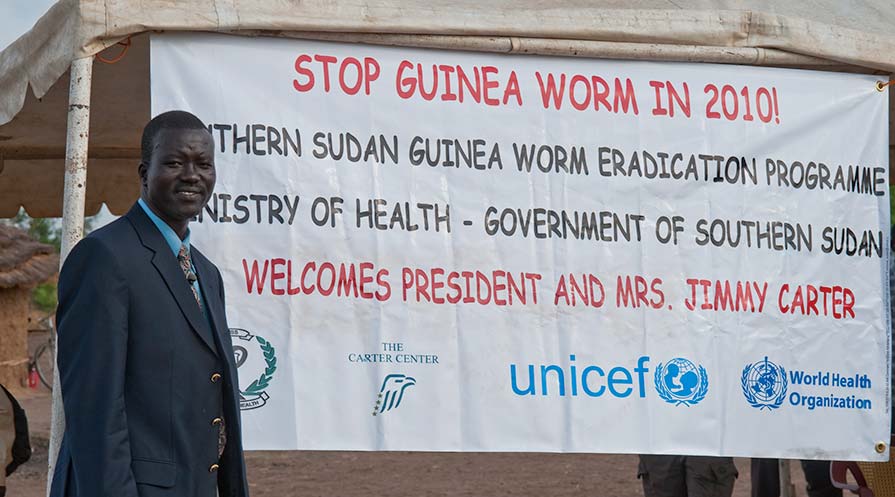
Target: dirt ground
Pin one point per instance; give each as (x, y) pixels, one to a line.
(400, 474)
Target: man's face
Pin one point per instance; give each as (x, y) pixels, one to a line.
(180, 175)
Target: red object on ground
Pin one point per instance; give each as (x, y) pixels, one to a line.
(33, 378)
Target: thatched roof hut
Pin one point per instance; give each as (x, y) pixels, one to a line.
(24, 263)
(23, 260)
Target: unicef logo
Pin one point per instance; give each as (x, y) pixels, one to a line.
(764, 384)
(680, 381)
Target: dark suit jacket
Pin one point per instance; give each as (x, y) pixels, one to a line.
(136, 359)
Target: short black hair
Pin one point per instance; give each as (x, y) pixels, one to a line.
(174, 119)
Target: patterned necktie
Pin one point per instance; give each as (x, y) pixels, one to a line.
(186, 265)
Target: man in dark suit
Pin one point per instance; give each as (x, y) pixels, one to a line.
(145, 360)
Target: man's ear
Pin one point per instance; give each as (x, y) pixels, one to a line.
(142, 170)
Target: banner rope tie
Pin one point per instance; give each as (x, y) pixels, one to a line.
(127, 45)
(880, 86)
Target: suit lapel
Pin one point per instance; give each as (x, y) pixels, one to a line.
(210, 290)
(210, 286)
(167, 266)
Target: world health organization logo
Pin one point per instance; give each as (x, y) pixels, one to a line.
(392, 392)
(764, 384)
(680, 381)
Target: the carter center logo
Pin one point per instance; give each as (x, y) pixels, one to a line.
(680, 381)
(392, 392)
(256, 359)
(764, 384)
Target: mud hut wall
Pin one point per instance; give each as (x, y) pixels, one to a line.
(14, 306)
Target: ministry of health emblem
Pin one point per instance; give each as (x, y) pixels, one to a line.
(259, 357)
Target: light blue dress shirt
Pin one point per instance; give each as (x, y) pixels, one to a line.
(175, 243)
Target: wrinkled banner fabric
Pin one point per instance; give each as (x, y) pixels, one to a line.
(449, 251)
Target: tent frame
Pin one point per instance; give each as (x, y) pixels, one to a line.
(76, 143)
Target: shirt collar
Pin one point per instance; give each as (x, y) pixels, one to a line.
(174, 241)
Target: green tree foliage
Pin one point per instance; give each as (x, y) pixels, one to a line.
(44, 297)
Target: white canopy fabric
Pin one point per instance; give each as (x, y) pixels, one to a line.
(818, 34)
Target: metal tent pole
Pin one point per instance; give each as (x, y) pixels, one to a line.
(72, 210)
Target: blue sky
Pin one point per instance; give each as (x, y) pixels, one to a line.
(17, 16)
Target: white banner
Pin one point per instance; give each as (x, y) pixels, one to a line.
(449, 251)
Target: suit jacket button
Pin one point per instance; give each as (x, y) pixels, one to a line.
(215, 377)
(216, 421)
(213, 468)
